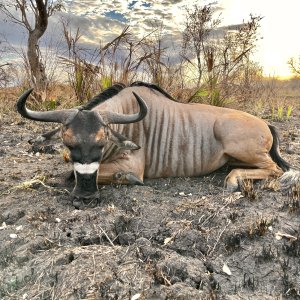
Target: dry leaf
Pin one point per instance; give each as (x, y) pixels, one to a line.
(233, 197)
(226, 269)
(167, 240)
(280, 235)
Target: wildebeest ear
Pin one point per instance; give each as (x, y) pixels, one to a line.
(122, 142)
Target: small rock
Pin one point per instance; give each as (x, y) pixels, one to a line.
(3, 226)
(289, 149)
(136, 296)
(18, 228)
(25, 296)
(143, 242)
(184, 195)
(126, 238)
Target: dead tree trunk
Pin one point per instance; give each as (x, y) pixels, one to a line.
(42, 10)
(37, 69)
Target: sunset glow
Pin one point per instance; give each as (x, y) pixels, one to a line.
(278, 31)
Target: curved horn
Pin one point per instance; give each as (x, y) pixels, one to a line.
(57, 116)
(115, 118)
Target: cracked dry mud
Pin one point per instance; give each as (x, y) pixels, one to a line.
(175, 238)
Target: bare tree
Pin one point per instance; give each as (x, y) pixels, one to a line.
(220, 55)
(294, 66)
(198, 26)
(4, 78)
(233, 64)
(19, 12)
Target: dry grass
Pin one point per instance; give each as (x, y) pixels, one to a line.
(8, 97)
(32, 185)
(275, 96)
(249, 191)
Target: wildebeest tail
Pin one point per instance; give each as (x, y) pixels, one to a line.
(274, 152)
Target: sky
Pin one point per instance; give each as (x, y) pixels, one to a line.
(104, 19)
(279, 29)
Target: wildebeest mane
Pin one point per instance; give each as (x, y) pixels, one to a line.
(115, 89)
(103, 96)
(154, 87)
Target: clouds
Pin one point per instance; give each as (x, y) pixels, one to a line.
(114, 15)
(100, 21)
(103, 20)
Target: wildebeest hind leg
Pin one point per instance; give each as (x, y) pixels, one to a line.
(237, 175)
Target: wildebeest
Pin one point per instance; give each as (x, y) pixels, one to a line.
(140, 131)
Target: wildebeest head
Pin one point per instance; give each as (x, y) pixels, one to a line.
(86, 133)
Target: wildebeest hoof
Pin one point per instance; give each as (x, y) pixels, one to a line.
(233, 184)
(231, 188)
(127, 178)
(85, 202)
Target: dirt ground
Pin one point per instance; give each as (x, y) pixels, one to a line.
(179, 238)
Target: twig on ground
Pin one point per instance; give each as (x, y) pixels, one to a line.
(110, 241)
(218, 238)
(27, 185)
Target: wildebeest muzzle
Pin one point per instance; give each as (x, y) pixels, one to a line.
(85, 192)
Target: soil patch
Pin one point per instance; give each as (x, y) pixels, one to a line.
(175, 238)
